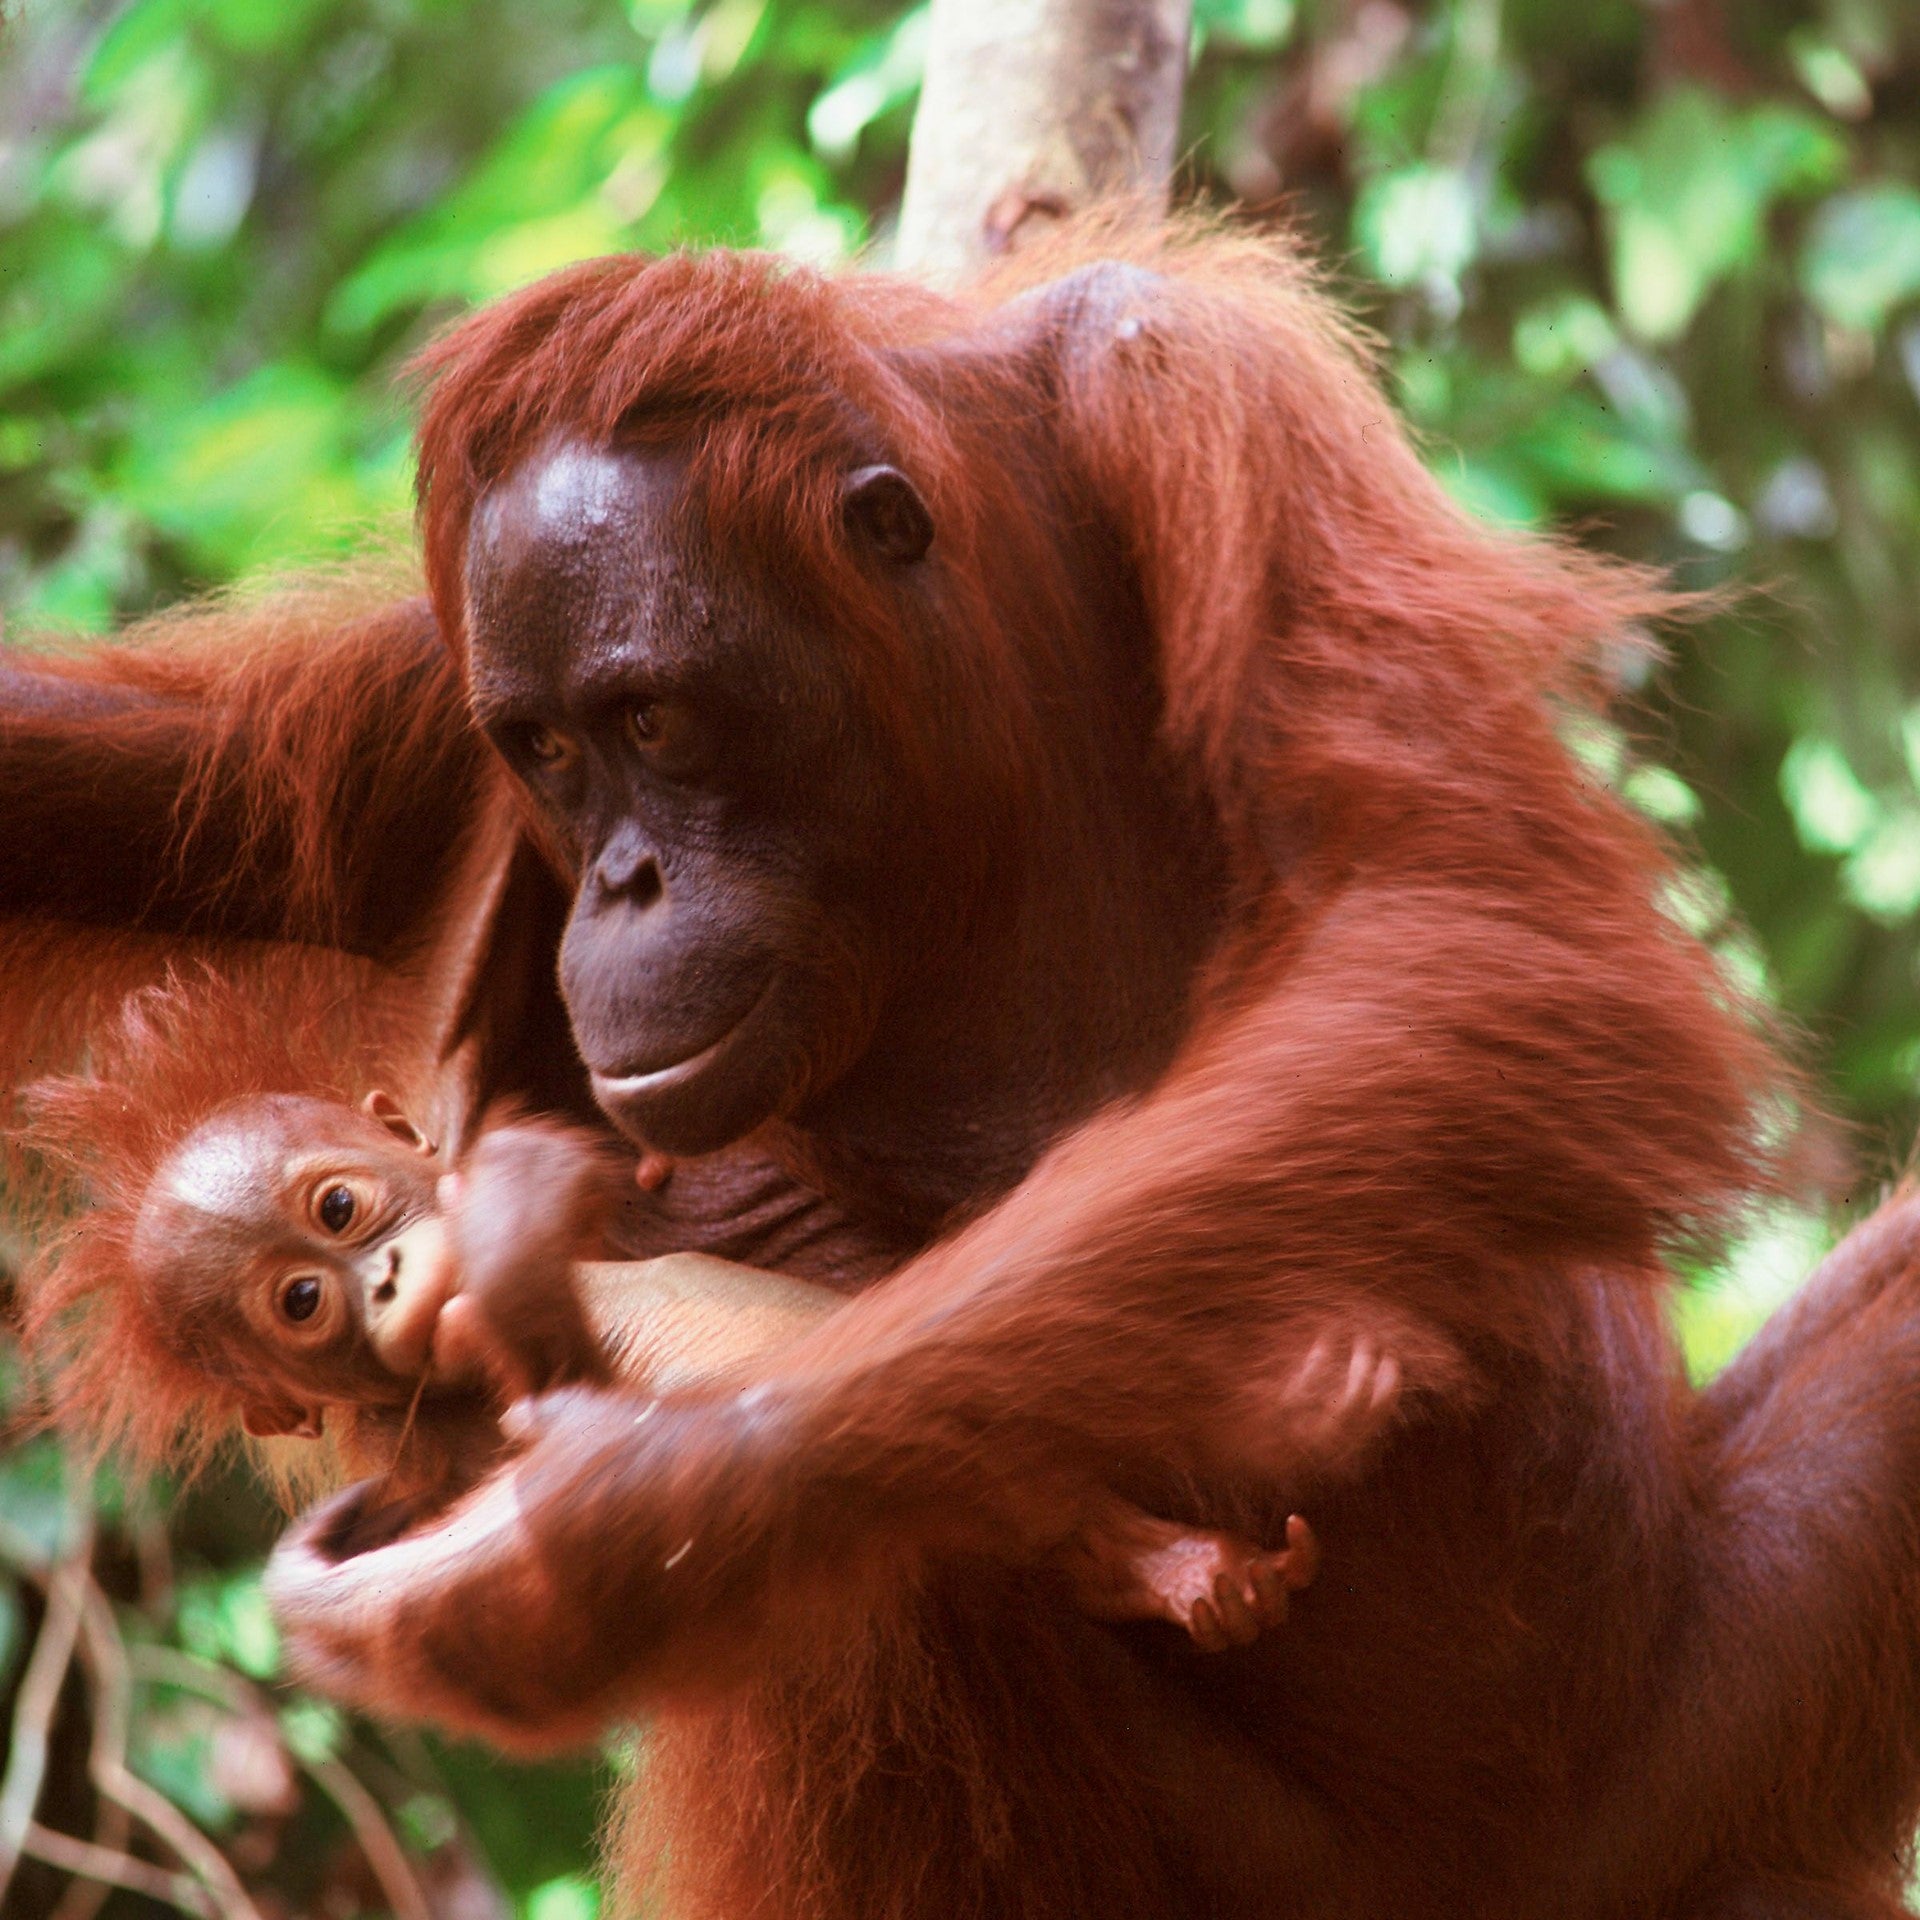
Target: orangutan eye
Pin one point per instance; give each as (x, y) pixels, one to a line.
(545, 748)
(301, 1300)
(336, 1210)
(644, 724)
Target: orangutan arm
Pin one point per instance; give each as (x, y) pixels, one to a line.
(237, 776)
(1181, 1294)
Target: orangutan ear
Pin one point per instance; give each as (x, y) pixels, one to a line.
(384, 1108)
(269, 1419)
(884, 508)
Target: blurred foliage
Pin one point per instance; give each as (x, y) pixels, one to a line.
(1648, 270)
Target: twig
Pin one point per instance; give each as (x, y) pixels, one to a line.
(105, 1653)
(89, 1889)
(39, 1700)
(361, 1811)
(87, 1892)
(84, 1896)
(153, 1551)
(377, 1840)
(169, 1667)
(104, 1868)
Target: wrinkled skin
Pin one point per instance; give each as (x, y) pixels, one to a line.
(718, 872)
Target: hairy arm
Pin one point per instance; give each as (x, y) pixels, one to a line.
(301, 770)
(1373, 1156)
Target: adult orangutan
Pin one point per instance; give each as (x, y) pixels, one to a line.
(1054, 775)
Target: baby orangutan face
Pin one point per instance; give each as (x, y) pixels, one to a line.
(297, 1247)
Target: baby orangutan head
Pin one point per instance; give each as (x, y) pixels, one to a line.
(294, 1247)
(235, 1232)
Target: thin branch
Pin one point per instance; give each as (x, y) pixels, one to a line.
(104, 1868)
(361, 1811)
(105, 1653)
(86, 1891)
(385, 1855)
(169, 1667)
(39, 1699)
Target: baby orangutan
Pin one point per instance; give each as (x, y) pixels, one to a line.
(314, 1255)
(299, 1254)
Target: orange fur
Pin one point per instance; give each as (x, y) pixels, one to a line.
(1444, 1080)
(121, 1376)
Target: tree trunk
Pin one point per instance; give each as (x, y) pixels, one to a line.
(1032, 109)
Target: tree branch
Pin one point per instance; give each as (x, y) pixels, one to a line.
(1032, 109)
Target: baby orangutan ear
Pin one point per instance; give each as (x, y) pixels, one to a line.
(884, 507)
(269, 1419)
(384, 1108)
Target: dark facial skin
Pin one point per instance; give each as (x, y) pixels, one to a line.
(774, 919)
(302, 1239)
(726, 810)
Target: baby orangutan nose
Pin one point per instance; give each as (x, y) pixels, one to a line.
(414, 1277)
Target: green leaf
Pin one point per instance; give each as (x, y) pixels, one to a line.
(1722, 1310)
(1832, 812)
(228, 1621)
(1579, 449)
(1883, 875)
(1563, 336)
(1258, 26)
(264, 474)
(262, 26)
(885, 73)
(1687, 193)
(314, 1731)
(1416, 225)
(1862, 255)
(569, 180)
(568, 1898)
(1662, 795)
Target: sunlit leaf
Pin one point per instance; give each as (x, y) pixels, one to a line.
(1721, 1311)
(568, 1898)
(313, 1730)
(1832, 811)
(1687, 192)
(1416, 224)
(1830, 75)
(1258, 25)
(884, 73)
(1883, 873)
(227, 1621)
(1562, 336)
(1862, 257)
(1662, 795)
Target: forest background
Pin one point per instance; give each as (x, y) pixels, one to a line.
(1647, 271)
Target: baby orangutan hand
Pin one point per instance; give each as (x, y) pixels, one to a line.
(527, 1202)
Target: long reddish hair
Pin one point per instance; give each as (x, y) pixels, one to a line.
(90, 1144)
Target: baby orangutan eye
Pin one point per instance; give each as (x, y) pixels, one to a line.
(301, 1299)
(336, 1211)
